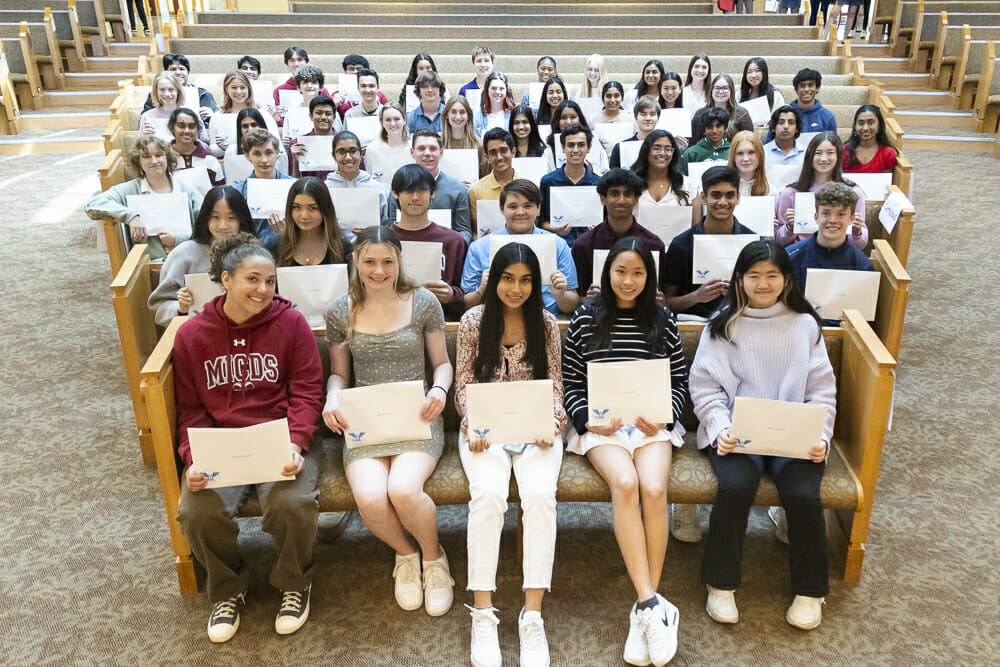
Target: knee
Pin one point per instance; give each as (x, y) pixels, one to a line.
(281, 504)
(404, 493)
(536, 501)
(199, 510)
(799, 496)
(372, 503)
(625, 486)
(653, 492)
(738, 491)
(488, 499)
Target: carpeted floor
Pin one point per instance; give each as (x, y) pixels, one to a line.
(86, 575)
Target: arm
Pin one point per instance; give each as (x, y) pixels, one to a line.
(678, 369)
(564, 282)
(574, 368)
(710, 374)
(783, 233)
(437, 352)
(554, 358)
(164, 300)
(304, 384)
(706, 292)
(111, 203)
(859, 230)
(474, 276)
(466, 349)
(461, 215)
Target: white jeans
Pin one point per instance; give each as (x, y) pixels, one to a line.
(537, 472)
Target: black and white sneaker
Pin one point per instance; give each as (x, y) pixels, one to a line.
(294, 611)
(224, 620)
(660, 629)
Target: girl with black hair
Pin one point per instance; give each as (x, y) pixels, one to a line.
(648, 84)
(624, 323)
(658, 166)
(868, 150)
(553, 94)
(525, 131)
(510, 337)
(755, 84)
(313, 237)
(237, 166)
(766, 341)
(422, 62)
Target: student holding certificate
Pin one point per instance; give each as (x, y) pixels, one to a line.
(624, 323)
(495, 105)
(347, 153)
(823, 163)
(545, 68)
(237, 165)
(323, 114)
(314, 237)
(457, 130)
(510, 337)
(647, 113)
(237, 95)
(755, 84)
(185, 126)
(392, 148)
(567, 114)
(525, 131)
(649, 83)
(576, 142)
(153, 159)
(422, 62)
(499, 146)
(381, 330)
(723, 97)
(696, 92)
(249, 358)
(765, 342)
(554, 93)
(746, 154)
(658, 165)
(223, 213)
(785, 127)
(262, 149)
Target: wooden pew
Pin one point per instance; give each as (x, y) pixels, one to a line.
(893, 295)
(10, 110)
(864, 370)
(910, 16)
(949, 37)
(131, 287)
(883, 15)
(114, 14)
(987, 104)
(968, 71)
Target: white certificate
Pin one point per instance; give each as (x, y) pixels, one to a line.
(160, 128)
(832, 291)
(875, 186)
(474, 96)
(590, 105)
(675, 121)
(347, 85)
(757, 213)
(612, 133)
(531, 168)
(575, 205)
(776, 428)
(759, 110)
(697, 169)
(715, 255)
(780, 176)
(289, 98)
(665, 221)
(383, 413)
(628, 390)
(237, 168)
(203, 289)
(601, 257)
(422, 260)
(544, 130)
(263, 92)
(803, 139)
(268, 195)
(628, 153)
(366, 127)
(805, 213)
(893, 206)
(319, 153)
(356, 207)
(488, 216)
(312, 289)
(439, 216)
(543, 245)
(510, 412)
(462, 164)
(237, 456)
(195, 178)
(297, 122)
(535, 93)
(225, 127)
(166, 212)
(192, 98)
(412, 101)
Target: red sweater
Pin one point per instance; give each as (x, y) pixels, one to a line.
(884, 161)
(235, 375)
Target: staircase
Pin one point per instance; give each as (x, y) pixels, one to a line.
(925, 113)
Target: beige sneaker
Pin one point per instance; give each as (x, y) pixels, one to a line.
(409, 594)
(684, 524)
(721, 606)
(439, 587)
(805, 613)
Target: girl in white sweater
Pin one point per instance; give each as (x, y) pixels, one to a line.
(764, 342)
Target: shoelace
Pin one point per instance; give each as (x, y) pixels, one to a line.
(484, 623)
(224, 610)
(408, 569)
(435, 576)
(291, 602)
(534, 636)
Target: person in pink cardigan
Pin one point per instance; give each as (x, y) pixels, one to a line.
(823, 164)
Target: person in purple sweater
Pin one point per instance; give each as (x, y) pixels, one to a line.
(413, 188)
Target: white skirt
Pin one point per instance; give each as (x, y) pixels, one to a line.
(628, 436)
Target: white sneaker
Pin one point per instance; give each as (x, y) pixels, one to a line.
(684, 524)
(294, 611)
(224, 620)
(485, 648)
(636, 650)
(780, 521)
(805, 613)
(534, 645)
(439, 587)
(409, 594)
(721, 606)
(659, 626)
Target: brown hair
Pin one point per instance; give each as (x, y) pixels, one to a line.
(141, 149)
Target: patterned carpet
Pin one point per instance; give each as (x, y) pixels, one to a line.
(87, 576)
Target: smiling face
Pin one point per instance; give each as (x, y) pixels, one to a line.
(295, 62)
(833, 223)
(715, 133)
(378, 267)
(613, 100)
(514, 286)
(167, 94)
(699, 71)
(250, 289)
(806, 92)
(153, 161)
(368, 87)
(763, 284)
(499, 155)
(721, 199)
(546, 70)
(620, 202)
(392, 122)
(554, 96)
(223, 223)
(238, 92)
(593, 74)
(305, 213)
(866, 126)
(651, 76)
(745, 159)
(721, 93)
(263, 158)
(825, 159)
(520, 213)
(628, 278)
(347, 154)
(309, 89)
(576, 149)
(458, 118)
(521, 126)
(497, 92)
(483, 65)
(670, 90)
(753, 75)
(322, 117)
(180, 72)
(568, 117)
(646, 119)
(252, 72)
(661, 153)
(427, 152)
(185, 131)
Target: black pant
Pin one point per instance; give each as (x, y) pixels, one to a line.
(815, 8)
(141, 6)
(798, 486)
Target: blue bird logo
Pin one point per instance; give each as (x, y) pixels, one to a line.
(558, 219)
(481, 432)
(210, 476)
(256, 209)
(601, 414)
(741, 443)
(379, 175)
(702, 274)
(356, 437)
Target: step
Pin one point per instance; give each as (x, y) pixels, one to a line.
(907, 80)
(496, 7)
(36, 121)
(96, 80)
(873, 65)
(921, 99)
(867, 51)
(23, 146)
(561, 16)
(964, 119)
(79, 97)
(943, 142)
(122, 49)
(112, 63)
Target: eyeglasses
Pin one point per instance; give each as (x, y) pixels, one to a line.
(343, 152)
(661, 150)
(720, 89)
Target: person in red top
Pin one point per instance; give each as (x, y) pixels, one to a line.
(249, 358)
(413, 188)
(868, 150)
(295, 58)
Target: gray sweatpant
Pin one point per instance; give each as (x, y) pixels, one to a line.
(290, 511)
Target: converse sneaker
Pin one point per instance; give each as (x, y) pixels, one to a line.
(636, 650)
(224, 620)
(439, 587)
(484, 650)
(534, 645)
(780, 521)
(293, 612)
(805, 613)
(409, 594)
(721, 606)
(684, 525)
(659, 626)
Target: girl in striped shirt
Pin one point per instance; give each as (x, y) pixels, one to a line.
(624, 323)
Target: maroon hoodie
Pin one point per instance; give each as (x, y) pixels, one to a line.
(235, 375)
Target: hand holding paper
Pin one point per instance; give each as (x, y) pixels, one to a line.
(627, 390)
(510, 412)
(805, 213)
(202, 289)
(238, 456)
(777, 428)
(383, 413)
